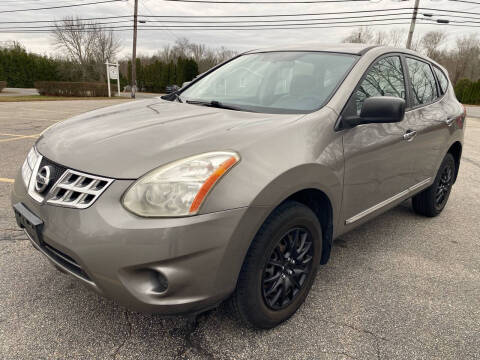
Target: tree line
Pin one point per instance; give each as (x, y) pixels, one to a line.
(84, 47)
(174, 64)
(153, 75)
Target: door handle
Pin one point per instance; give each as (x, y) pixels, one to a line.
(409, 135)
(450, 120)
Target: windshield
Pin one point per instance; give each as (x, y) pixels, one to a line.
(273, 82)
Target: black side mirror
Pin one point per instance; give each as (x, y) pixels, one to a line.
(378, 109)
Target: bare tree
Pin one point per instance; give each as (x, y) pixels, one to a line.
(397, 37)
(86, 43)
(204, 56)
(107, 46)
(432, 42)
(362, 35)
(467, 57)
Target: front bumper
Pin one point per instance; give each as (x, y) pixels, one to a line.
(127, 258)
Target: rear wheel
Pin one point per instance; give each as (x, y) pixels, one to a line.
(280, 266)
(432, 200)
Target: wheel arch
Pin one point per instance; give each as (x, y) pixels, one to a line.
(320, 204)
(456, 150)
(313, 185)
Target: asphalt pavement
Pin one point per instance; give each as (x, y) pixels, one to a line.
(399, 287)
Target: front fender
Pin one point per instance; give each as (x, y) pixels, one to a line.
(307, 176)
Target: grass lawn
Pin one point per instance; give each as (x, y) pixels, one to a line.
(54, 98)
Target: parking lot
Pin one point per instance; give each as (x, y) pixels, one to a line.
(398, 287)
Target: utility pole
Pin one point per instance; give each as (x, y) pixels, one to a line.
(134, 51)
(412, 24)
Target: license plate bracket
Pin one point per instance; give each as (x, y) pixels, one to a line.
(27, 220)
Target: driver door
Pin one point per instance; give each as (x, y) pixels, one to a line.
(378, 159)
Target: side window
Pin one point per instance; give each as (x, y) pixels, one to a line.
(442, 79)
(424, 88)
(384, 78)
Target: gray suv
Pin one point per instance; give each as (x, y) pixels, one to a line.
(235, 186)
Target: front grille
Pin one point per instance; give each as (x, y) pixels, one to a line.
(77, 190)
(66, 187)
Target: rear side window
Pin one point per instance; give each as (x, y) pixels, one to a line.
(442, 80)
(424, 88)
(384, 78)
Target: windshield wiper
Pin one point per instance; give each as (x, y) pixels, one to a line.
(214, 103)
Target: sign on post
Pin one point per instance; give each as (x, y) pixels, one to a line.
(113, 73)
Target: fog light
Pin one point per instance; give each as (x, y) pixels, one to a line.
(161, 283)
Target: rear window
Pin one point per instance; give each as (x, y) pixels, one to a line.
(442, 80)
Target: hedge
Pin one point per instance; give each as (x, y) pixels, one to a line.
(155, 76)
(20, 69)
(64, 88)
(468, 92)
(3, 85)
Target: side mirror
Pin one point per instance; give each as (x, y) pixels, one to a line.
(378, 109)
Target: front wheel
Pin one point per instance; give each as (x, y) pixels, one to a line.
(280, 266)
(431, 201)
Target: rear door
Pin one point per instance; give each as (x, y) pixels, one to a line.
(378, 157)
(433, 116)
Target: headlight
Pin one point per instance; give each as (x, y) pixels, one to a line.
(29, 165)
(178, 188)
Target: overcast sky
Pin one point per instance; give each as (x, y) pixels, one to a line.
(149, 41)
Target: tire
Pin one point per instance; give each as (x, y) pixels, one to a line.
(262, 277)
(431, 201)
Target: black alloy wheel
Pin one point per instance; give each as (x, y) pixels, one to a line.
(444, 187)
(287, 269)
(280, 266)
(431, 201)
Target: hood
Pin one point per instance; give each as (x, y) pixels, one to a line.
(127, 140)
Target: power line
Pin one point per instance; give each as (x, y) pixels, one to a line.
(450, 11)
(251, 16)
(309, 19)
(55, 21)
(214, 29)
(259, 29)
(148, 9)
(59, 6)
(276, 15)
(253, 26)
(164, 22)
(266, 2)
(306, 14)
(227, 26)
(245, 24)
(465, 1)
(221, 23)
(213, 16)
(72, 26)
